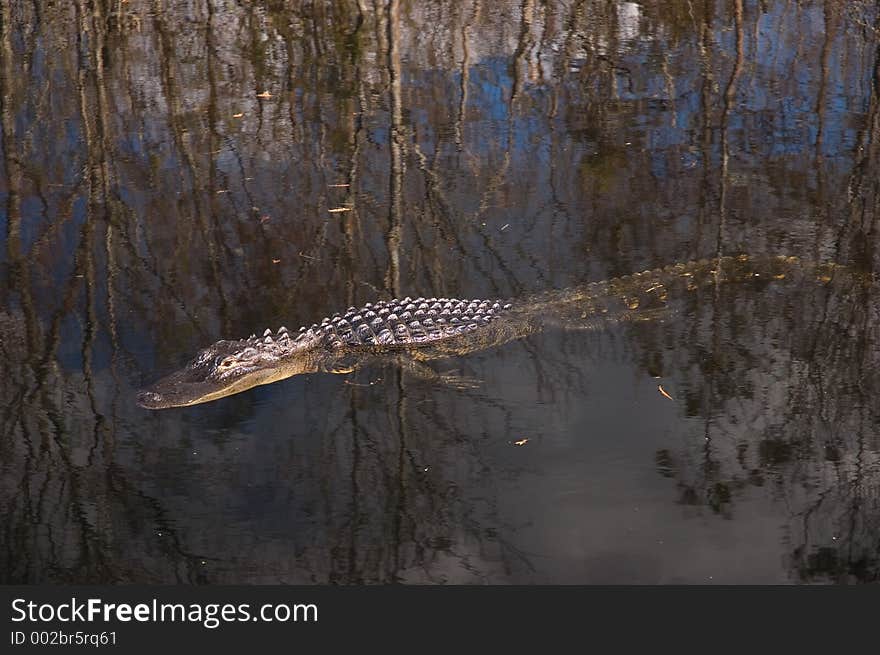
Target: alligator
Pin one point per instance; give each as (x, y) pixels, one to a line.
(412, 331)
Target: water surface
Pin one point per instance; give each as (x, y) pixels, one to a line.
(167, 178)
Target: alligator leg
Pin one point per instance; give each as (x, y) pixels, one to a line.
(340, 364)
(341, 369)
(349, 363)
(424, 372)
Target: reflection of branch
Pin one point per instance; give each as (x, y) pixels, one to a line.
(169, 83)
(523, 43)
(709, 463)
(395, 208)
(864, 202)
(830, 32)
(464, 75)
(96, 148)
(729, 99)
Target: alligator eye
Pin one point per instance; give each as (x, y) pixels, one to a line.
(226, 362)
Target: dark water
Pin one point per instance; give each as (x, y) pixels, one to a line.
(167, 179)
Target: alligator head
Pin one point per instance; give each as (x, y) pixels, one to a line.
(229, 367)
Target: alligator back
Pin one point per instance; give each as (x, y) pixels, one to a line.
(435, 327)
(406, 323)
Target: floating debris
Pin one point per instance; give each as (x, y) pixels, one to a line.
(521, 442)
(665, 395)
(239, 115)
(265, 94)
(336, 210)
(505, 226)
(276, 261)
(338, 186)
